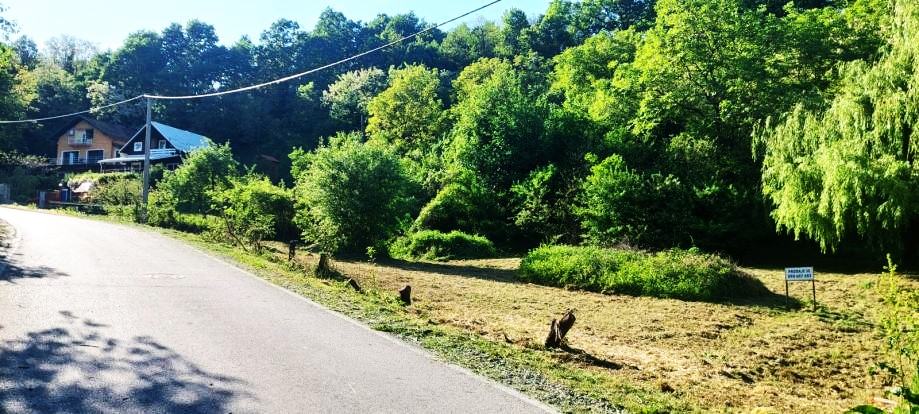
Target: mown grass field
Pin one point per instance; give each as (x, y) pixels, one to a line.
(660, 354)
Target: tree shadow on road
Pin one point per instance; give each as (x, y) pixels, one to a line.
(75, 369)
(11, 270)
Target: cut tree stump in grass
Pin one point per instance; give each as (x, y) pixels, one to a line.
(354, 285)
(324, 268)
(406, 294)
(558, 329)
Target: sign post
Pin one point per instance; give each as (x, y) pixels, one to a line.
(801, 274)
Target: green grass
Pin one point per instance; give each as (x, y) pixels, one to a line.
(436, 245)
(678, 274)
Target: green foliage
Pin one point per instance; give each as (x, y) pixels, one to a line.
(350, 195)
(254, 210)
(409, 117)
(544, 205)
(463, 204)
(850, 170)
(348, 98)
(499, 126)
(205, 172)
(436, 245)
(899, 328)
(97, 179)
(409, 114)
(119, 194)
(621, 206)
(679, 274)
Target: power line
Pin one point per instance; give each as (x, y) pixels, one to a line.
(311, 71)
(98, 108)
(269, 83)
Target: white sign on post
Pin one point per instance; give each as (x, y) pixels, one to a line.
(799, 274)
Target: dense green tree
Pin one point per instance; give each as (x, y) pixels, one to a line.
(202, 175)
(409, 116)
(464, 45)
(850, 170)
(349, 97)
(27, 51)
(499, 125)
(350, 195)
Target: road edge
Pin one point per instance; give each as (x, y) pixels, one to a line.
(8, 247)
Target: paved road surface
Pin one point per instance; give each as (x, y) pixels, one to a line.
(96, 317)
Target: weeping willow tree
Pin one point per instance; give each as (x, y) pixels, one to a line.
(848, 170)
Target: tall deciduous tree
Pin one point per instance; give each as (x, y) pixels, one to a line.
(349, 97)
(850, 170)
(409, 116)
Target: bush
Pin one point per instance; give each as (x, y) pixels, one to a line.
(679, 274)
(436, 245)
(25, 183)
(350, 195)
(463, 204)
(161, 209)
(619, 205)
(119, 195)
(253, 210)
(204, 173)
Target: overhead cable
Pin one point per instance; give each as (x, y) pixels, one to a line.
(314, 70)
(260, 85)
(98, 108)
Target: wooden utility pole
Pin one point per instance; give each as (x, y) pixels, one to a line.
(147, 156)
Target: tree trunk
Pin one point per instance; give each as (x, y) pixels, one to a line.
(406, 295)
(558, 329)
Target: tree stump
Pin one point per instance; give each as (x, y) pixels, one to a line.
(324, 268)
(354, 285)
(558, 329)
(406, 295)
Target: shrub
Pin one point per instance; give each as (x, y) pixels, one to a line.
(436, 245)
(350, 195)
(680, 274)
(25, 183)
(619, 205)
(463, 204)
(119, 195)
(161, 209)
(196, 223)
(205, 172)
(253, 209)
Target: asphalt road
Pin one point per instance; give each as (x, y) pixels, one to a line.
(97, 317)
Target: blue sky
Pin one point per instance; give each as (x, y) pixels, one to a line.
(107, 23)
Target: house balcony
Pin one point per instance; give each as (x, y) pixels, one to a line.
(80, 161)
(80, 141)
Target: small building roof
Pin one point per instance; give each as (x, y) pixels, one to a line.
(181, 139)
(115, 132)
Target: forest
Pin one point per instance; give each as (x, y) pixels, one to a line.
(730, 126)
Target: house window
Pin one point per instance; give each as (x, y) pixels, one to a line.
(138, 146)
(161, 144)
(94, 156)
(70, 157)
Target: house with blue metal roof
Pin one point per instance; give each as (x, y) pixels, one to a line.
(169, 145)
